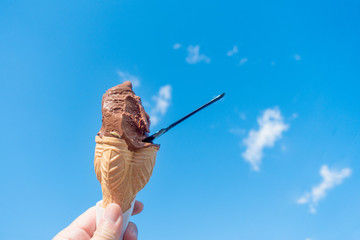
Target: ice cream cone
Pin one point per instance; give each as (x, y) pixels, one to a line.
(122, 173)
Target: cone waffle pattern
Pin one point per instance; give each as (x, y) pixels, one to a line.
(122, 173)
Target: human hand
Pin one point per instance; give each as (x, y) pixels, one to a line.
(109, 228)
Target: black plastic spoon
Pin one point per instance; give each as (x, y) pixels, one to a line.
(164, 130)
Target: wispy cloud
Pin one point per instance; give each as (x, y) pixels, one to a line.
(297, 57)
(194, 56)
(232, 51)
(243, 61)
(271, 127)
(124, 76)
(162, 103)
(176, 46)
(237, 131)
(240, 114)
(331, 178)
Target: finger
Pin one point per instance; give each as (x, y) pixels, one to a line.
(110, 224)
(81, 228)
(131, 232)
(138, 207)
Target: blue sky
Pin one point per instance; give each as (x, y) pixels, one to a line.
(277, 158)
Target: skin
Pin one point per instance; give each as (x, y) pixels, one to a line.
(84, 227)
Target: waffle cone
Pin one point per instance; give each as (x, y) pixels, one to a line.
(122, 173)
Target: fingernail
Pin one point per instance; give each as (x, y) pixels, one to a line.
(135, 232)
(112, 212)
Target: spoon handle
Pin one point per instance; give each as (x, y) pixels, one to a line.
(164, 130)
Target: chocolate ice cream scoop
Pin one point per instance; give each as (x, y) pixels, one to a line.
(124, 116)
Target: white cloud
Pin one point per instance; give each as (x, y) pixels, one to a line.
(243, 61)
(331, 178)
(162, 103)
(154, 120)
(176, 46)
(271, 127)
(232, 51)
(194, 56)
(297, 57)
(124, 76)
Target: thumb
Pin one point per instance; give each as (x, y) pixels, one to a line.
(110, 224)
